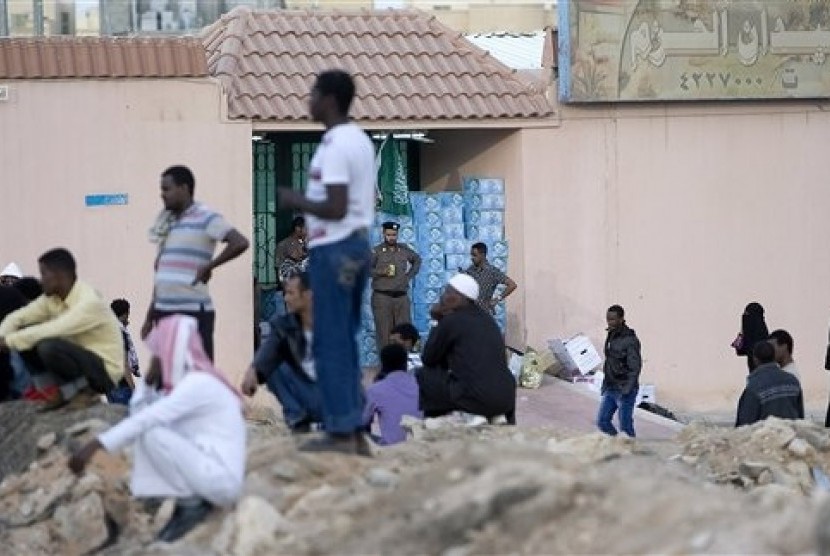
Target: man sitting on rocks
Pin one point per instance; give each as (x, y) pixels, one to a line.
(284, 362)
(187, 427)
(68, 336)
(769, 392)
(393, 395)
(465, 367)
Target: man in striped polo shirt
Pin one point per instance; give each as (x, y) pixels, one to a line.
(187, 232)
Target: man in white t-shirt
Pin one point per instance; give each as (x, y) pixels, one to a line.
(339, 205)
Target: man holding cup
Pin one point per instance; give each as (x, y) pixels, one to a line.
(393, 266)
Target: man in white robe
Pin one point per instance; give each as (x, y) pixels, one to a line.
(187, 427)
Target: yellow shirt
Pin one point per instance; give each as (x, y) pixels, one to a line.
(83, 318)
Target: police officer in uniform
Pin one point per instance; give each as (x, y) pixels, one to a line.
(393, 266)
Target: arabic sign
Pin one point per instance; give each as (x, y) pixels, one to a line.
(639, 50)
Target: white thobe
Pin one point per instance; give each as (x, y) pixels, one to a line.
(188, 443)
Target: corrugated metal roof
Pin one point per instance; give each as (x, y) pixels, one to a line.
(101, 57)
(520, 51)
(406, 65)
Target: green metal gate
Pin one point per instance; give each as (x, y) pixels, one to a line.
(278, 161)
(283, 160)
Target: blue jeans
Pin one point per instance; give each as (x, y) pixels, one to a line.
(613, 400)
(299, 398)
(22, 379)
(339, 273)
(121, 394)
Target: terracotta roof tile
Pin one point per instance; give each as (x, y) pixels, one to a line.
(406, 65)
(94, 57)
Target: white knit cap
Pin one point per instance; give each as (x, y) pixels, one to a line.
(466, 285)
(12, 270)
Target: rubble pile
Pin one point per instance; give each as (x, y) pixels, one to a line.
(452, 490)
(786, 454)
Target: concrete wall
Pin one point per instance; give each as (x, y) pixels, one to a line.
(60, 141)
(682, 214)
(486, 153)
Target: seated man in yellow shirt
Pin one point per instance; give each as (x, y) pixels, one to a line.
(68, 336)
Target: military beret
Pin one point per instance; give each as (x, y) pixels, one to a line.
(391, 226)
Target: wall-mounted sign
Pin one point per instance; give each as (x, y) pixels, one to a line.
(640, 50)
(106, 199)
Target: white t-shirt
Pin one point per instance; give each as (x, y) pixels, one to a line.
(345, 156)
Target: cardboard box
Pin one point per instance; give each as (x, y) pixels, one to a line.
(557, 347)
(647, 393)
(592, 382)
(583, 353)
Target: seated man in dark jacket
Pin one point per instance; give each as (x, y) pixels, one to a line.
(465, 367)
(284, 361)
(769, 392)
(623, 363)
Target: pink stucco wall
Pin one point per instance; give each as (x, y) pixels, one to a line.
(62, 140)
(682, 214)
(486, 153)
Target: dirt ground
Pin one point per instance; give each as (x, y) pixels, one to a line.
(455, 490)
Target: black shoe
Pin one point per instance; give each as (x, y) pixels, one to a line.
(301, 427)
(184, 519)
(354, 444)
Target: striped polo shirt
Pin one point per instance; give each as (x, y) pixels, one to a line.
(189, 244)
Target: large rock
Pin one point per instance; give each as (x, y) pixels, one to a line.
(82, 525)
(251, 530)
(33, 501)
(22, 426)
(35, 539)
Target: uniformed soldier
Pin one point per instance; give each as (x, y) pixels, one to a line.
(393, 266)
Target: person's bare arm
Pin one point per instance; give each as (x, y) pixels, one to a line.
(510, 287)
(235, 245)
(128, 376)
(332, 208)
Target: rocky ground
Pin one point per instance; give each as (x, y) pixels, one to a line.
(452, 490)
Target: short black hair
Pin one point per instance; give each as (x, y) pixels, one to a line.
(393, 357)
(304, 278)
(763, 352)
(339, 84)
(30, 287)
(480, 247)
(407, 331)
(181, 175)
(58, 259)
(782, 337)
(120, 307)
(620, 312)
(298, 222)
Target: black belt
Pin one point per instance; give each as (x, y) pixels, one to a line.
(391, 294)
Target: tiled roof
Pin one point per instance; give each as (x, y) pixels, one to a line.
(406, 66)
(94, 57)
(521, 51)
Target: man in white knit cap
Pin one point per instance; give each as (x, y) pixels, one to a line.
(465, 367)
(10, 275)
